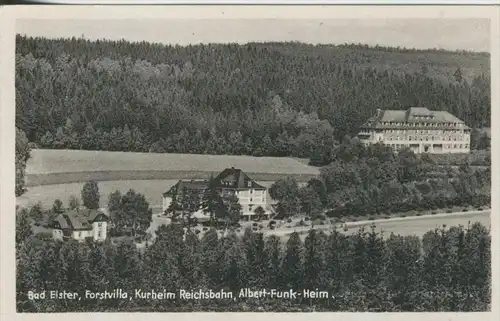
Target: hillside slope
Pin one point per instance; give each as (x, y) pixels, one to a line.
(271, 99)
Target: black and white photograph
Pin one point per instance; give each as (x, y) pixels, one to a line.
(332, 162)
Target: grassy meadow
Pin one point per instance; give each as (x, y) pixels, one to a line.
(152, 190)
(51, 167)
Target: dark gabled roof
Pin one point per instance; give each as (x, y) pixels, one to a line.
(79, 219)
(410, 116)
(238, 179)
(190, 185)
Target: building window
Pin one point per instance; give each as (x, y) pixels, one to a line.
(79, 234)
(99, 224)
(99, 234)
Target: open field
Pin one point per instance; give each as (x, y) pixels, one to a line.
(152, 189)
(49, 167)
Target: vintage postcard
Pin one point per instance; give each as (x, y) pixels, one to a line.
(236, 159)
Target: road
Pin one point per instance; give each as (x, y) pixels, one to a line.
(415, 225)
(418, 225)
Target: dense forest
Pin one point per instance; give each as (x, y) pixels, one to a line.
(273, 99)
(446, 270)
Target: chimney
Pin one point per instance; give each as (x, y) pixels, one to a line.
(379, 112)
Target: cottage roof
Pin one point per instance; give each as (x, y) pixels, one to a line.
(78, 219)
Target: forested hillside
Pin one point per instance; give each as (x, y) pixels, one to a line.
(276, 99)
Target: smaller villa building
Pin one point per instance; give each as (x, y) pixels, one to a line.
(80, 224)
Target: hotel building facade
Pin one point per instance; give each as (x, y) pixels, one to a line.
(418, 128)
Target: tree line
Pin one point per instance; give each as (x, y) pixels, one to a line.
(360, 181)
(448, 269)
(277, 99)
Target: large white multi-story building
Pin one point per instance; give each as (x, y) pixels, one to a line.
(231, 181)
(418, 128)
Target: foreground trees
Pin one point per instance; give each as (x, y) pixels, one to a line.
(130, 213)
(446, 270)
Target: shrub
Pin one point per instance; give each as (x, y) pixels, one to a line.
(272, 222)
(418, 214)
(289, 220)
(434, 213)
(255, 224)
(301, 223)
(45, 235)
(479, 209)
(272, 227)
(449, 211)
(307, 218)
(465, 210)
(205, 229)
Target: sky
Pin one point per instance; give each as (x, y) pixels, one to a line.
(450, 34)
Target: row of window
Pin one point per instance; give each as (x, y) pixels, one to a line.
(405, 124)
(99, 234)
(233, 182)
(446, 146)
(423, 131)
(257, 199)
(412, 124)
(426, 138)
(423, 117)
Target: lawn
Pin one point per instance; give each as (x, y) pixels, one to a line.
(48, 167)
(152, 189)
